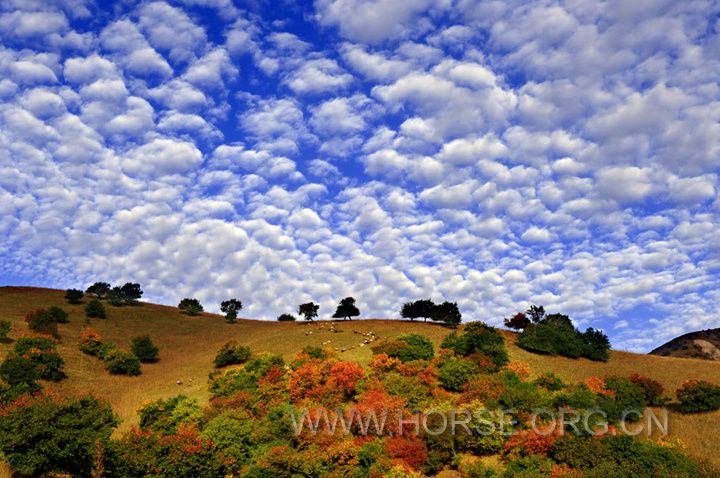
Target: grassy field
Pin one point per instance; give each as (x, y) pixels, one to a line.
(188, 346)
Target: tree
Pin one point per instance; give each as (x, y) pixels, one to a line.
(536, 313)
(447, 312)
(232, 353)
(74, 296)
(286, 318)
(20, 373)
(144, 349)
(596, 345)
(119, 362)
(346, 309)
(131, 291)
(95, 309)
(98, 289)
(51, 436)
(231, 308)
(190, 306)
(518, 321)
(309, 310)
(5, 327)
(422, 308)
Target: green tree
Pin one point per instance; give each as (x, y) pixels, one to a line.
(232, 353)
(346, 309)
(43, 322)
(286, 318)
(60, 316)
(74, 296)
(50, 436)
(95, 309)
(19, 373)
(231, 308)
(98, 289)
(536, 313)
(422, 308)
(447, 312)
(144, 349)
(309, 310)
(190, 306)
(119, 362)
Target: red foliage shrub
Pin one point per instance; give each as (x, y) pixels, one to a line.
(344, 376)
(652, 389)
(406, 451)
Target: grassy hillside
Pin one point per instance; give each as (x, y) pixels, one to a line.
(188, 346)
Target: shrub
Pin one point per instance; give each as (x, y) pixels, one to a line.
(556, 335)
(550, 382)
(5, 327)
(166, 416)
(90, 341)
(652, 389)
(127, 294)
(45, 435)
(625, 396)
(455, 372)
(41, 321)
(232, 353)
(95, 309)
(42, 354)
(119, 362)
(60, 316)
(344, 376)
(286, 318)
(407, 348)
(479, 339)
(233, 432)
(519, 395)
(20, 374)
(144, 349)
(74, 296)
(697, 396)
(190, 306)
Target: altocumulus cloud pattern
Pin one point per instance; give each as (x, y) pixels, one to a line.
(494, 153)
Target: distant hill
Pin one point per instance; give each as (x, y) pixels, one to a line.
(704, 344)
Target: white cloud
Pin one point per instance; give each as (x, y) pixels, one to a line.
(318, 76)
(161, 157)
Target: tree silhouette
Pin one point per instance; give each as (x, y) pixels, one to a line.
(309, 310)
(346, 309)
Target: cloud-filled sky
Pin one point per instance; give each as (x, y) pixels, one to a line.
(497, 154)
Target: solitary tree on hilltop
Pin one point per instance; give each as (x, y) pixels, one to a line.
(346, 309)
(309, 310)
(231, 308)
(190, 306)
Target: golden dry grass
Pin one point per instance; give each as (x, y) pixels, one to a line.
(188, 346)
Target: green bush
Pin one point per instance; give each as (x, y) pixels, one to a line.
(74, 296)
(232, 431)
(232, 353)
(166, 416)
(478, 338)
(519, 395)
(626, 396)
(455, 372)
(60, 316)
(698, 396)
(578, 397)
(119, 362)
(556, 335)
(286, 318)
(5, 328)
(20, 374)
(41, 351)
(144, 349)
(42, 322)
(407, 348)
(652, 389)
(95, 309)
(47, 436)
(233, 381)
(416, 393)
(550, 382)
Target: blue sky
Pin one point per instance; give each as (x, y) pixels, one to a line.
(497, 154)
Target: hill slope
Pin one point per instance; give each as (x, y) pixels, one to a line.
(188, 346)
(704, 344)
